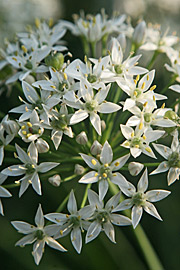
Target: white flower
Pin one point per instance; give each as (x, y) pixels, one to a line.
(4, 193)
(103, 217)
(29, 168)
(148, 116)
(174, 58)
(105, 170)
(140, 92)
(90, 105)
(75, 222)
(35, 102)
(4, 139)
(39, 235)
(119, 69)
(172, 156)
(138, 140)
(140, 200)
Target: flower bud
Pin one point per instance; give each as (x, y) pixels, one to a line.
(56, 61)
(122, 40)
(78, 169)
(81, 138)
(96, 148)
(30, 79)
(11, 127)
(171, 115)
(103, 125)
(139, 33)
(55, 180)
(135, 168)
(42, 146)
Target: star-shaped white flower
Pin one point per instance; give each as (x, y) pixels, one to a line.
(105, 170)
(4, 193)
(172, 156)
(140, 199)
(39, 235)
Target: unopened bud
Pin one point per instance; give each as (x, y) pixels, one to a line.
(30, 79)
(103, 125)
(122, 40)
(81, 138)
(78, 169)
(171, 115)
(135, 168)
(96, 148)
(42, 146)
(55, 180)
(11, 127)
(139, 33)
(56, 61)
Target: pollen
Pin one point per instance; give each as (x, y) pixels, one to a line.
(154, 98)
(85, 86)
(147, 78)
(140, 125)
(145, 104)
(153, 87)
(132, 134)
(53, 69)
(24, 49)
(163, 106)
(52, 86)
(106, 165)
(14, 58)
(28, 135)
(93, 162)
(96, 174)
(26, 109)
(85, 59)
(65, 76)
(148, 149)
(23, 127)
(67, 215)
(135, 93)
(39, 131)
(29, 181)
(61, 232)
(104, 175)
(143, 85)
(117, 163)
(114, 174)
(24, 132)
(137, 146)
(144, 137)
(29, 124)
(137, 78)
(15, 155)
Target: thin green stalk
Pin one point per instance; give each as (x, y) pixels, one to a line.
(93, 49)
(85, 45)
(152, 61)
(147, 249)
(85, 195)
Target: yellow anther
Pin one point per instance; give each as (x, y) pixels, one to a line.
(114, 174)
(96, 174)
(137, 78)
(85, 59)
(28, 135)
(9, 169)
(102, 67)
(52, 86)
(132, 134)
(85, 86)
(137, 146)
(86, 75)
(20, 98)
(145, 104)
(117, 163)
(50, 22)
(104, 175)
(67, 215)
(165, 165)
(29, 154)
(119, 48)
(15, 155)
(106, 165)
(135, 93)
(29, 124)
(24, 132)
(163, 106)
(153, 87)
(61, 232)
(30, 182)
(33, 166)
(23, 127)
(148, 149)
(127, 144)
(100, 177)
(26, 109)
(39, 131)
(154, 98)
(24, 49)
(147, 78)
(143, 85)
(37, 22)
(53, 69)
(135, 81)
(144, 137)
(99, 60)
(65, 76)
(14, 58)
(17, 182)
(140, 125)
(93, 162)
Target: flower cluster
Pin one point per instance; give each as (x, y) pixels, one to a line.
(78, 113)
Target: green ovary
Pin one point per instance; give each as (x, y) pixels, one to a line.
(174, 160)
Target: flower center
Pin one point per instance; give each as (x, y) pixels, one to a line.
(39, 234)
(139, 198)
(60, 123)
(137, 92)
(28, 65)
(75, 220)
(92, 78)
(147, 117)
(102, 217)
(30, 168)
(118, 69)
(91, 105)
(105, 172)
(174, 160)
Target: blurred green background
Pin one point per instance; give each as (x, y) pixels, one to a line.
(101, 253)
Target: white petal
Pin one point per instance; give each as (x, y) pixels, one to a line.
(163, 150)
(151, 209)
(108, 107)
(96, 122)
(147, 80)
(126, 131)
(94, 199)
(29, 92)
(23, 227)
(113, 202)
(54, 244)
(72, 205)
(163, 167)
(4, 192)
(106, 153)
(93, 231)
(28, 239)
(39, 218)
(126, 204)
(89, 177)
(36, 184)
(119, 163)
(103, 188)
(38, 249)
(156, 195)
(120, 220)
(173, 175)
(47, 166)
(175, 88)
(143, 182)
(92, 162)
(136, 215)
(78, 117)
(109, 231)
(76, 239)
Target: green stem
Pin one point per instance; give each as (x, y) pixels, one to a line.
(85, 196)
(151, 62)
(147, 250)
(93, 49)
